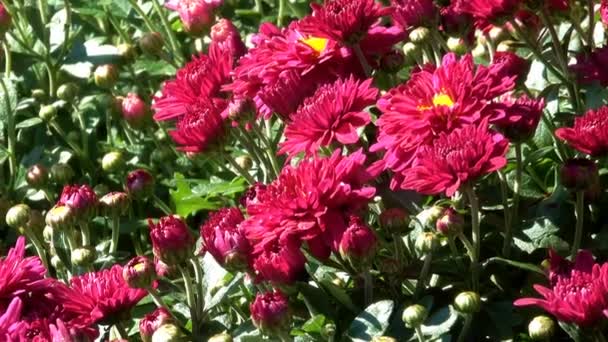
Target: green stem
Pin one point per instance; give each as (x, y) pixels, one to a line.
(465, 328)
(506, 246)
(11, 132)
(455, 253)
(38, 246)
(159, 302)
(161, 205)
(281, 13)
(239, 169)
(580, 219)
(467, 245)
(8, 59)
(83, 132)
(115, 234)
(590, 8)
(475, 234)
(143, 15)
(419, 334)
(368, 287)
(172, 38)
(86, 236)
(51, 74)
(258, 7)
(190, 298)
(424, 274)
(64, 136)
(121, 331)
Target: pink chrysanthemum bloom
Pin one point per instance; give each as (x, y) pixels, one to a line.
(433, 101)
(270, 312)
(196, 15)
(172, 241)
(10, 319)
(332, 114)
(134, 110)
(522, 117)
(105, 294)
(201, 127)
(224, 239)
(20, 275)
(311, 201)
(345, 21)
(589, 134)
(456, 159)
(228, 37)
(413, 13)
(80, 198)
(152, 321)
(591, 67)
(488, 10)
(604, 11)
(512, 65)
(279, 261)
(577, 291)
(200, 78)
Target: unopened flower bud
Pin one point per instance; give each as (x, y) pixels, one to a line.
(392, 61)
(224, 240)
(579, 174)
(412, 52)
(112, 161)
(60, 217)
(39, 95)
(106, 76)
(127, 52)
(394, 219)
(81, 199)
(5, 20)
(61, 173)
(47, 113)
(420, 35)
(457, 45)
(168, 333)
(139, 272)
(67, 92)
(18, 216)
(450, 223)
(270, 313)
(223, 337)
(57, 263)
(151, 43)
(467, 302)
(83, 256)
(140, 184)
(152, 321)
(497, 34)
(244, 162)
(328, 331)
(428, 217)
(479, 51)
(135, 111)
(414, 315)
(426, 242)
(36, 222)
(358, 243)
(541, 328)
(383, 339)
(114, 204)
(161, 155)
(48, 234)
(37, 176)
(172, 241)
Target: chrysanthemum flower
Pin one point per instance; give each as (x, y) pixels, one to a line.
(200, 78)
(280, 261)
(413, 13)
(488, 10)
(224, 239)
(332, 114)
(345, 21)
(591, 67)
(172, 241)
(577, 292)
(9, 319)
(589, 134)
(80, 198)
(105, 294)
(311, 201)
(522, 116)
(19, 274)
(433, 101)
(604, 11)
(201, 127)
(270, 312)
(228, 37)
(196, 15)
(512, 65)
(456, 159)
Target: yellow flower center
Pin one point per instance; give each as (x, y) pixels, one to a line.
(316, 43)
(439, 100)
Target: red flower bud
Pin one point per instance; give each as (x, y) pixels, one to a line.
(358, 243)
(5, 20)
(151, 43)
(37, 176)
(139, 272)
(395, 219)
(196, 16)
(270, 312)
(114, 204)
(81, 199)
(152, 321)
(512, 65)
(579, 174)
(134, 110)
(223, 238)
(140, 184)
(225, 34)
(172, 241)
(450, 223)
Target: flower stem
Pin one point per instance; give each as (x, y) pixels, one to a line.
(514, 213)
(86, 236)
(590, 8)
(281, 13)
(115, 234)
(143, 15)
(465, 328)
(424, 274)
(455, 254)
(190, 297)
(172, 39)
(38, 246)
(419, 334)
(368, 287)
(506, 247)
(364, 64)
(580, 219)
(239, 169)
(161, 205)
(475, 234)
(157, 299)
(10, 128)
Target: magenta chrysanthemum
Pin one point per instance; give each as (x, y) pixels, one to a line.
(490, 10)
(196, 15)
(413, 13)
(345, 21)
(456, 159)
(201, 126)
(522, 116)
(433, 101)
(332, 114)
(577, 292)
(105, 294)
(200, 78)
(224, 239)
(591, 67)
(589, 134)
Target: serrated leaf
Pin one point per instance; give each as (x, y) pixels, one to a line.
(440, 322)
(542, 233)
(372, 322)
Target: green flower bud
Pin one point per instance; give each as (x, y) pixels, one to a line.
(414, 315)
(412, 52)
(18, 216)
(127, 52)
(37, 176)
(57, 263)
(114, 204)
(457, 45)
(47, 113)
(106, 76)
(420, 35)
(83, 256)
(467, 302)
(39, 95)
(383, 339)
(479, 51)
(428, 217)
(48, 234)
(61, 173)
(244, 162)
(223, 337)
(68, 92)
(60, 217)
(112, 161)
(541, 328)
(152, 43)
(101, 190)
(426, 242)
(168, 333)
(328, 331)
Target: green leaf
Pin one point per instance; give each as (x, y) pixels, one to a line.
(440, 322)
(57, 29)
(27, 123)
(572, 330)
(316, 299)
(8, 101)
(315, 324)
(372, 322)
(186, 201)
(522, 265)
(542, 233)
